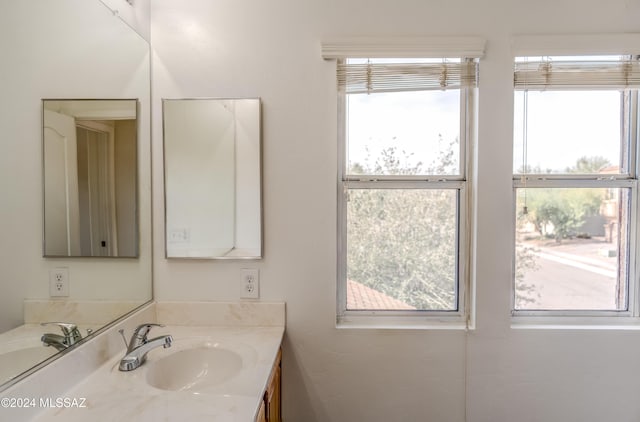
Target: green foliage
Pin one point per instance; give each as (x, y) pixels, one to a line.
(528, 169)
(560, 212)
(525, 262)
(402, 242)
(587, 165)
(583, 165)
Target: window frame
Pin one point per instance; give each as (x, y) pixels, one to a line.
(459, 318)
(625, 180)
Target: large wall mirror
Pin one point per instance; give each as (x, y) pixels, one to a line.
(90, 177)
(70, 49)
(212, 164)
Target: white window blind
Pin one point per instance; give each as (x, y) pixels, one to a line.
(354, 78)
(545, 74)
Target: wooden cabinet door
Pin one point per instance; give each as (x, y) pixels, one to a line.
(273, 393)
(262, 413)
(270, 408)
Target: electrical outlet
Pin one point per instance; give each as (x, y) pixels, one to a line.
(59, 282)
(179, 235)
(250, 279)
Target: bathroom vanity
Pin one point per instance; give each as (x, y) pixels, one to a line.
(224, 363)
(271, 407)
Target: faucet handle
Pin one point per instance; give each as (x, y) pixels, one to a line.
(70, 331)
(67, 328)
(142, 330)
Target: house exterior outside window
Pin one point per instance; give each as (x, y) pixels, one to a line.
(575, 182)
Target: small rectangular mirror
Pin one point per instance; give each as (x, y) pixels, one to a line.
(212, 178)
(90, 176)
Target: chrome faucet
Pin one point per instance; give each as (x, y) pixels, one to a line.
(140, 345)
(71, 335)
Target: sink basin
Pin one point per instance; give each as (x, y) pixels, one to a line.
(17, 361)
(194, 369)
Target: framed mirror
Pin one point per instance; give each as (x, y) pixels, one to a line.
(90, 178)
(212, 177)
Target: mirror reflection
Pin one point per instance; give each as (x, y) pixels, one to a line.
(90, 177)
(212, 164)
(67, 49)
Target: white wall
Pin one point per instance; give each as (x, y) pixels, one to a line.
(247, 219)
(494, 373)
(200, 188)
(136, 15)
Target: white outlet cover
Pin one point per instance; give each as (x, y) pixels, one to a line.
(179, 235)
(249, 289)
(59, 282)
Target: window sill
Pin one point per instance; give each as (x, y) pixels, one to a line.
(378, 322)
(575, 323)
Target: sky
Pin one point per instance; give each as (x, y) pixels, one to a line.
(566, 125)
(562, 126)
(411, 121)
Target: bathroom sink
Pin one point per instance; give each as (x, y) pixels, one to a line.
(17, 361)
(195, 369)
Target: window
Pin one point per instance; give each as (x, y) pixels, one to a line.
(403, 174)
(575, 185)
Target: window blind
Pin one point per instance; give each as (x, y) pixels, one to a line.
(550, 74)
(354, 78)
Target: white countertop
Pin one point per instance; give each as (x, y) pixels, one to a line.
(21, 348)
(109, 394)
